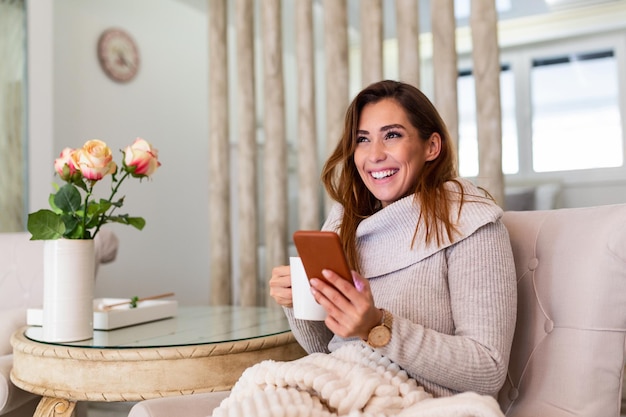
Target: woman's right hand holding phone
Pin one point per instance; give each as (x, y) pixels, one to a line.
(280, 286)
(350, 305)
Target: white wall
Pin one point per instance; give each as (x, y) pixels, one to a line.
(166, 104)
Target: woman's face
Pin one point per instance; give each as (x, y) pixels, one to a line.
(389, 153)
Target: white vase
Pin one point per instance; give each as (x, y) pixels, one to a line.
(68, 286)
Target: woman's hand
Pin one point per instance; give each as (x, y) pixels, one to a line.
(280, 285)
(351, 309)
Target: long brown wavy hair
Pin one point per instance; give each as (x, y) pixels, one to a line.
(343, 182)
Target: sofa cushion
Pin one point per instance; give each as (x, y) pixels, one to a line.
(568, 351)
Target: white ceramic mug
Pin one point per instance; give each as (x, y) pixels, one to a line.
(304, 305)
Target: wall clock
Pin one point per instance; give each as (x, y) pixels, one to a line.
(118, 55)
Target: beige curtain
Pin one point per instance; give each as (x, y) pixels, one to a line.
(371, 41)
(308, 178)
(486, 59)
(337, 68)
(247, 155)
(273, 216)
(445, 64)
(275, 170)
(407, 24)
(12, 145)
(219, 157)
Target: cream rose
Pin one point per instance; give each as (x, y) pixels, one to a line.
(141, 159)
(94, 160)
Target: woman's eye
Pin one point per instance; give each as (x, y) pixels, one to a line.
(392, 135)
(360, 139)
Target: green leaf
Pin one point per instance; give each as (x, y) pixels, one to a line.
(68, 198)
(45, 225)
(93, 209)
(54, 206)
(137, 222)
(119, 203)
(104, 205)
(77, 233)
(92, 222)
(73, 226)
(134, 301)
(80, 182)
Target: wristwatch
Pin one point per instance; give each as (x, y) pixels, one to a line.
(380, 335)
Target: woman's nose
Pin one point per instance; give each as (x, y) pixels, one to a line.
(377, 152)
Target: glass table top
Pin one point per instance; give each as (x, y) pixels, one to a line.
(197, 325)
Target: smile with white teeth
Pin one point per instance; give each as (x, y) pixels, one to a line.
(383, 174)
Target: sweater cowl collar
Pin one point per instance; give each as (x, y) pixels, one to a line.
(384, 240)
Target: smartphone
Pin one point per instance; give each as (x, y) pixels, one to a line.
(321, 250)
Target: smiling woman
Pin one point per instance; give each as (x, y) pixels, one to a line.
(12, 181)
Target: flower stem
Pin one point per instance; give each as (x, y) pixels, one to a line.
(87, 195)
(114, 189)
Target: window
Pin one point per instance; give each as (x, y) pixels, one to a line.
(468, 140)
(561, 110)
(576, 119)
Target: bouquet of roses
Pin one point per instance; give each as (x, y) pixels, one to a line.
(74, 213)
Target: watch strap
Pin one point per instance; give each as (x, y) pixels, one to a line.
(380, 335)
(387, 319)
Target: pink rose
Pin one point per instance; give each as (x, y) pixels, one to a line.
(141, 159)
(65, 160)
(94, 160)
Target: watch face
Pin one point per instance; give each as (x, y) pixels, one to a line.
(379, 336)
(118, 55)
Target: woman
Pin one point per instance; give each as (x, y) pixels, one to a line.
(434, 281)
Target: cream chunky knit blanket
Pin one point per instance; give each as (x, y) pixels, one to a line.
(353, 381)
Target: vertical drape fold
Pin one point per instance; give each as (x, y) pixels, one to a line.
(275, 145)
(371, 41)
(445, 64)
(219, 157)
(337, 74)
(486, 59)
(247, 155)
(407, 24)
(308, 171)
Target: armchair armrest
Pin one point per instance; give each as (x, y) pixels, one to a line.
(11, 397)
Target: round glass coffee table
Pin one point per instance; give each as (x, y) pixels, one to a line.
(202, 349)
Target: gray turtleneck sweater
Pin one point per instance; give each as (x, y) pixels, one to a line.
(453, 303)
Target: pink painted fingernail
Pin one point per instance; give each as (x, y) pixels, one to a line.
(358, 284)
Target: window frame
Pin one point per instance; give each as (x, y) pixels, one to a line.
(520, 60)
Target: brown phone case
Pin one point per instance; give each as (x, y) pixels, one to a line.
(321, 250)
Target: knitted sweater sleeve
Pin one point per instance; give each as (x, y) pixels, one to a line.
(313, 336)
(482, 288)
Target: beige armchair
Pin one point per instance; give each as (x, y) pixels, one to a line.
(21, 287)
(569, 349)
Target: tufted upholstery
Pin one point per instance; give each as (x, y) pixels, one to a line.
(21, 287)
(569, 346)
